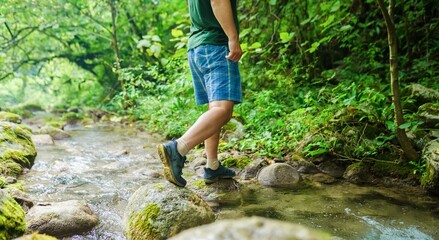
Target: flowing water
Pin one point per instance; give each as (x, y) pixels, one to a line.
(104, 165)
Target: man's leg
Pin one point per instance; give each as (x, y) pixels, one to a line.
(209, 124)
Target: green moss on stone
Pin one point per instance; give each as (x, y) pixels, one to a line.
(37, 236)
(16, 144)
(10, 168)
(240, 162)
(199, 184)
(10, 117)
(12, 218)
(141, 226)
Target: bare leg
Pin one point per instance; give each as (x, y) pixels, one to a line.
(208, 126)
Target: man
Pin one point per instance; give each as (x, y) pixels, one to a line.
(214, 51)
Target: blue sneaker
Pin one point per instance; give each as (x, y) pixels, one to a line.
(173, 162)
(211, 176)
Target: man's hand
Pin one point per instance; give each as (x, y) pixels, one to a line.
(223, 13)
(235, 50)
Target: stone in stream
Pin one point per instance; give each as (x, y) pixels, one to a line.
(278, 175)
(61, 219)
(56, 133)
(36, 236)
(161, 210)
(42, 139)
(12, 218)
(430, 154)
(251, 171)
(17, 151)
(251, 228)
(10, 117)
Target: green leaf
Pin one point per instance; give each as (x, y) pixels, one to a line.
(255, 45)
(317, 152)
(285, 37)
(273, 2)
(405, 125)
(176, 33)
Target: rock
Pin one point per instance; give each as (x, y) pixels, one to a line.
(429, 114)
(430, 155)
(10, 117)
(421, 94)
(159, 211)
(12, 217)
(251, 228)
(17, 151)
(198, 162)
(36, 236)
(42, 139)
(20, 197)
(321, 178)
(304, 167)
(278, 175)
(56, 133)
(251, 171)
(356, 173)
(331, 169)
(61, 219)
(233, 130)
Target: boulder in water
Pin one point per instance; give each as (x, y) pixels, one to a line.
(10, 117)
(12, 218)
(159, 211)
(251, 228)
(61, 219)
(278, 175)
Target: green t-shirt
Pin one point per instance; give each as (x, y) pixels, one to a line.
(205, 29)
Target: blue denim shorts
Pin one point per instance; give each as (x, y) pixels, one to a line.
(215, 77)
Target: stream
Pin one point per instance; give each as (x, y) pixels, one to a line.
(104, 165)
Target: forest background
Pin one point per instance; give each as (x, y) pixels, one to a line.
(315, 72)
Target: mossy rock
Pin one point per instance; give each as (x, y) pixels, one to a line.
(10, 117)
(429, 114)
(159, 211)
(12, 217)
(239, 162)
(16, 146)
(430, 154)
(36, 236)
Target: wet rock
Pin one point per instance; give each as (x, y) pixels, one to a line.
(430, 154)
(10, 117)
(20, 197)
(198, 162)
(251, 171)
(251, 228)
(304, 167)
(321, 178)
(11, 180)
(356, 173)
(278, 175)
(17, 151)
(61, 219)
(36, 236)
(421, 94)
(331, 169)
(42, 139)
(159, 211)
(56, 133)
(429, 114)
(12, 217)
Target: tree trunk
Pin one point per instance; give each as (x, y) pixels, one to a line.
(114, 42)
(401, 135)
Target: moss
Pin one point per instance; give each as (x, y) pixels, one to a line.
(2, 182)
(10, 117)
(141, 224)
(383, 168)
(230, 127)
(37, 236)
(159, 186)
(199, 184)
(12, 218)
(18, 185)
(10, 168)
(16, 144)
(240, 162)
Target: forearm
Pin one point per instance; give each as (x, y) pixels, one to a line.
(222, 10)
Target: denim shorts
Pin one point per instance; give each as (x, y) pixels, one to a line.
(215, 77)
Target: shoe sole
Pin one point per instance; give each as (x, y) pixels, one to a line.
(209, 181)
(167, 170)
